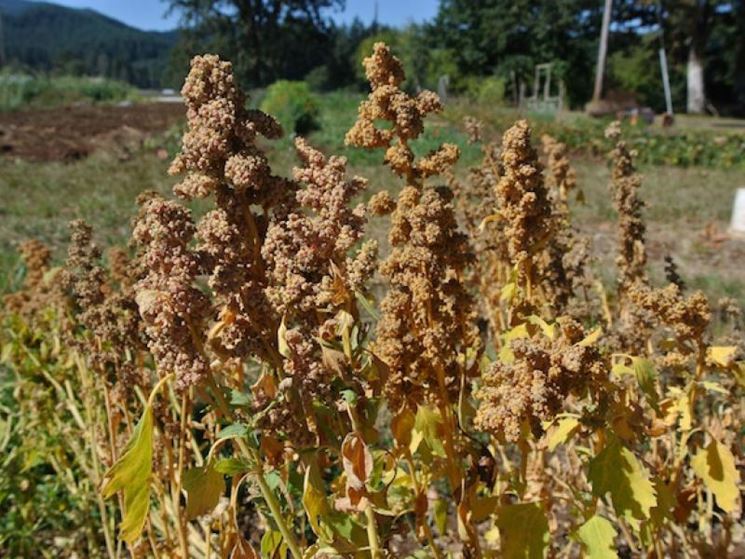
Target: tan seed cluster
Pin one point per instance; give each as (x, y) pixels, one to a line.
(172, 309)
(632, 257)
(406, 114)
(522, 201)
(534, 387)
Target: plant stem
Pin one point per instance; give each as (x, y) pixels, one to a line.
(181, 521)
(253, 456)
(372, 532)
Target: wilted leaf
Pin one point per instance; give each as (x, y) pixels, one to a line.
(715, 465)
(402, 425)
(131, 473)
(617, 471)
(561, 431)
(598, 535)
(357, 461)
(242, 549)
(523, 531)
(204, 486)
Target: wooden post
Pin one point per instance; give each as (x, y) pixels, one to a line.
(602, 51)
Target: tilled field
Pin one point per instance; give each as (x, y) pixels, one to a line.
(72, 133)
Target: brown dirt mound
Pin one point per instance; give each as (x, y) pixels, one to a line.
(71, 133)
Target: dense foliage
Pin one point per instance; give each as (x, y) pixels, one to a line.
(235, 388)
(44, 37)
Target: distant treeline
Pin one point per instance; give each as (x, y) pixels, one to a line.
(490, 45)
(486, 48)
(54, 39)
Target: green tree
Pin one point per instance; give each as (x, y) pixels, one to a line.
(265, 39)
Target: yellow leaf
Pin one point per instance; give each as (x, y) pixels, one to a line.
(722, 355)
(284, 349)
(314, 497)
(549, 330)
(131, 473)
(204, 486)
(592, 337)
(508, 292)
(519, 331)
(523, 531)
(740, 373)
(561, 431)
(597, 535)
(617, 471)
(716, 467)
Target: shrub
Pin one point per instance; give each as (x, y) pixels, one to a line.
(18, 90)
(293, 104)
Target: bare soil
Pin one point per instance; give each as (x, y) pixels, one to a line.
(73, 133)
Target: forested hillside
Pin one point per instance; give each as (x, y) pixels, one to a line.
(45, 37)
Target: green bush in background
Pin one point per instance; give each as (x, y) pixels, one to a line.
(19, 90)
(293, 104)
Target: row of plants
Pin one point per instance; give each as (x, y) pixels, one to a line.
(230, 386)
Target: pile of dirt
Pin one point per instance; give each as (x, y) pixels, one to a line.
(72, 133)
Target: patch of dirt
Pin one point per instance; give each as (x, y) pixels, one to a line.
(71, 133)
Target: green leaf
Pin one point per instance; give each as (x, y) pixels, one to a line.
(715, 465)
(617, 471)
(131, 474)
(523, 531)
(441, 515)
(646, 376)
(598, 535)
(231, 466)
(234, 431)
(428, 422)
(238, 398)
(204, 486)
(270, 542)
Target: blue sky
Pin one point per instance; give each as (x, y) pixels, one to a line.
(150, 14)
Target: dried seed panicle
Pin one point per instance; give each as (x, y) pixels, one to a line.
(689, 317)
(219, 144)
(427, 317)
(625, 183)
(36, 258)
(406, 114)
(534, 387)
(523, 203)
(172, 308)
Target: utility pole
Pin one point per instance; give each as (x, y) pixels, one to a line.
(602, 51)
(2, 42)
